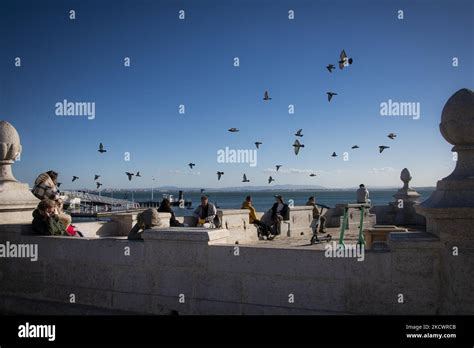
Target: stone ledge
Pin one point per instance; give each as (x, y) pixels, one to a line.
(193, 234)
(413, 240)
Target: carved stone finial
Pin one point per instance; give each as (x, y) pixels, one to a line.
(10, 149)
(457, 127)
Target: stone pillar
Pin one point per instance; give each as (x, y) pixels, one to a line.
(16, 201)
(449, 211)
(405, 200)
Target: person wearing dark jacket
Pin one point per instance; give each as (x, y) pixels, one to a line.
(45, 221)
(279, 212)
(165, 207)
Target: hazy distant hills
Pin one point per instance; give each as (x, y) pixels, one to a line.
(257, 188)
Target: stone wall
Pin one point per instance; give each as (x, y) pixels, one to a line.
(113, 274)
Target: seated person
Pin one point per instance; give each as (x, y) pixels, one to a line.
(273, 218)
(145, 220)
(263, 229)
(316, 216)
(206, 214)
(46, 222)
(45, 187)
(362, 194)
(165, 207)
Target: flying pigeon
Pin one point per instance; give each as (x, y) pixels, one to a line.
(297, 145)
(98, 185)
(219, 174)
(343, 59)
(333, 154)
(74, 178)
(96, 177)
(129, 176)
(257, 144)
(191, 165)
(138, 175)
(298, 133)
(392, 136)
(330, 95)
(101, 148)
(266, 97)
(330, 67)
(270, 179)
(312, 174)
(233, 130)
(245, 179)
(383, 147)
(278, 167)
(355, 146)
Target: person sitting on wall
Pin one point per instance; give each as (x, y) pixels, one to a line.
(145, 220)
(273, 217)
(262, 229)
(45, 187)
(206, 214)
(362, 194)
(318, 219)
(45, 220)
(165, 207)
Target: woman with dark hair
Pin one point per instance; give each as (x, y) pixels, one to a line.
(165, 207)
(274, 216)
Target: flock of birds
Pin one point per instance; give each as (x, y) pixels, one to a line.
(297, 145)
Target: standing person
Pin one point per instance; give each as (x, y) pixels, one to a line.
(165, 207)
(318, 219)
(362, 194)
(206, 214)
(262, 229)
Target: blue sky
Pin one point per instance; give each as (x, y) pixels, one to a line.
(190, 62)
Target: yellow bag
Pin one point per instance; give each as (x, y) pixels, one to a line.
(201, 221)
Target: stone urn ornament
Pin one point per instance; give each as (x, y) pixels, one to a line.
(16, 200)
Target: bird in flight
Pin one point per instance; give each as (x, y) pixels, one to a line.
(333, 154)
(330, 67)
(101, 148)
(96, 177)
(299, 133)
(74, 178)
(129, 176)
(383, 147)
(98, 185)
(266, 96)
(344, 60)
(355, 146)
(138, 175)
(312, 174)
(59, 184)
(244, 179)
(392, 136)
(330, 95)
(257, 144)
(278, 166)
(233, 130)
(270, 179)
(191, 165)
(219, 175)
(297, 145)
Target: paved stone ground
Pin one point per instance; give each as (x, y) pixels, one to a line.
(303, 242)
